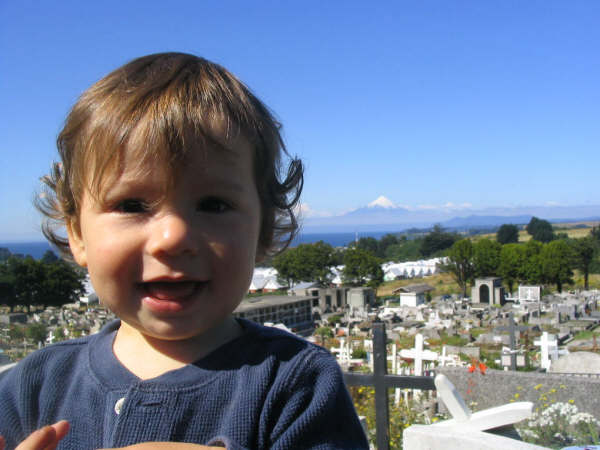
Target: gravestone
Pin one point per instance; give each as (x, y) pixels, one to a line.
(577, 362)
(530, 293)
(548, 348)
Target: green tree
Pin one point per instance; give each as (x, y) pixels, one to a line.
(460, 263)
(49, 257)
(540, 230)
(532, 270)
(7, 286)
(595, 233)
(486, 258)
(4, 254)
(405, 250)
(28, 276)
(556, 259)
(37, 332)
(16, 332)
(63, 283)
(507, 234)
(368, 243)
(7, 292)
(385, 242)
(437, 240)
(29, 282)
(324, 333)
(306, 262)
(585, 250)
(512, 263)
(362, 267)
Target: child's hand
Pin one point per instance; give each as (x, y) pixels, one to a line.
(46, 438)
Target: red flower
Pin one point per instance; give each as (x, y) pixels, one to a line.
(477, 365)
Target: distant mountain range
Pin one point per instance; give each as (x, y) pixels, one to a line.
(384, 215)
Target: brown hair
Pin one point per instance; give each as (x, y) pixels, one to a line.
(169, 98)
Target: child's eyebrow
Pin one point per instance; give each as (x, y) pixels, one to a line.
(229, 185)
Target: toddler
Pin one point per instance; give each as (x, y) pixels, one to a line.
(171, 188)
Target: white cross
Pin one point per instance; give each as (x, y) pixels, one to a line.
(549, 349)
(443, 359)
(50, 339)
(343, 352)
(419, 355)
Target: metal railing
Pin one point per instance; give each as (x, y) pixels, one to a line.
(382, 381)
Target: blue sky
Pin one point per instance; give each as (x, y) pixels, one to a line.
(485, 103)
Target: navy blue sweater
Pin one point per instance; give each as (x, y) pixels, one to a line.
(265, 389)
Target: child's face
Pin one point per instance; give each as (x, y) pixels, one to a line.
(174, 265)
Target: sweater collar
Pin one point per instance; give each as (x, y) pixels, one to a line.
(111, 374)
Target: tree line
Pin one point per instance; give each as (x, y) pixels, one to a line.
(49, 281)
(547, 258)
(313, 262)
(361, 259)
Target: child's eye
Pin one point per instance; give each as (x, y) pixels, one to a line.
(213, 205)
(132, 205)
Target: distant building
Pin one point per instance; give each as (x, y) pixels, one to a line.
(11, 318)
(413, 294)
(293, 311)
(326, 299)
(360, 298)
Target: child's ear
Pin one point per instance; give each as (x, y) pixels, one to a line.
(76, 243)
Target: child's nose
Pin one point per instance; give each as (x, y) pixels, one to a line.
(172, 235)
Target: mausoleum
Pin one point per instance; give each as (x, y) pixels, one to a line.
(488, 290)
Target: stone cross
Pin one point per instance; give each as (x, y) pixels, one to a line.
(548, 348)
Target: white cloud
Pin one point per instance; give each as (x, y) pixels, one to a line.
(447, 205)
(451, 205)
(305, 211)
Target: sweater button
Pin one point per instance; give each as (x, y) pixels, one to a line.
(119, 405)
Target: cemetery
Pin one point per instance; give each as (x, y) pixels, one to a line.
(419, 367)
(528, 348)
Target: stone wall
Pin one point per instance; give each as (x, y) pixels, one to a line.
(498, 387)
(469, 351)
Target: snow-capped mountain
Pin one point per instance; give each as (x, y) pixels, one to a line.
(382, 214)
(382, 202)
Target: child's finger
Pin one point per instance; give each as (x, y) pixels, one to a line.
(39, 439)
(45, 438)
(61, 428)
(2, 443)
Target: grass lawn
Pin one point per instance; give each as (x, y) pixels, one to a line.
(442, 284)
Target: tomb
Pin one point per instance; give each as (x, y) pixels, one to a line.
(488, 291)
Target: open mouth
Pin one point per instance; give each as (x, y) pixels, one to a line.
(172, 290)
